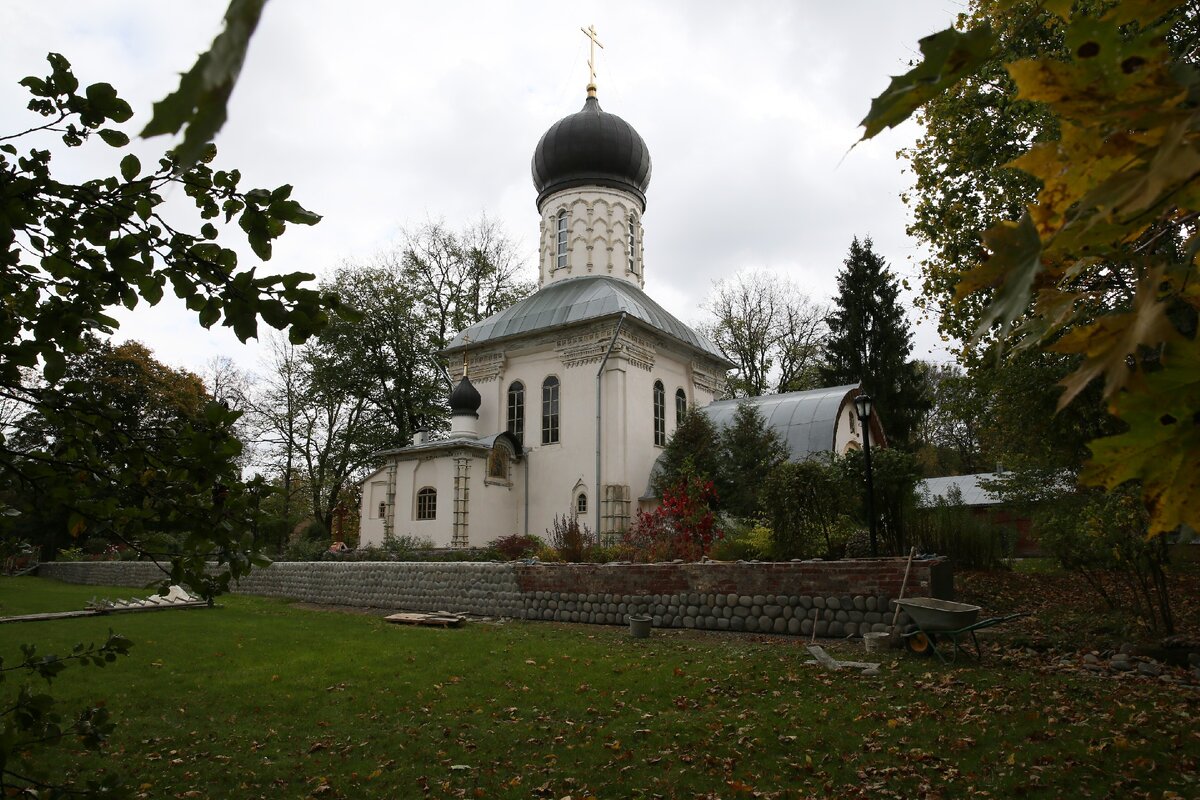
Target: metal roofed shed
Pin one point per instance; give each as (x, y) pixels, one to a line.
(576, 300)
(805, 421)
(973, 494)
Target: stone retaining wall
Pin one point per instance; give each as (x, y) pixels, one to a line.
(841, 598)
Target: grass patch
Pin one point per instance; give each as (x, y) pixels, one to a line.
(259, 698)
(1035, 566)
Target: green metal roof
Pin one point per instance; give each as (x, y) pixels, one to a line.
(576, 300)
(805, 421)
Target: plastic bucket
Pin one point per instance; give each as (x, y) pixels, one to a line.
(876, 640)
(639, 627)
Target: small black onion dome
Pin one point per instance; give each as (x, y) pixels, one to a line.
(465, 399)
(591, 148)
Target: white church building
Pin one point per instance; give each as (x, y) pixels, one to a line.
(565, 400)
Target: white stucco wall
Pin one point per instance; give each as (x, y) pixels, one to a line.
(597, 238)
(848, 433)
(492, 509)
(640, 357)
(374, 491)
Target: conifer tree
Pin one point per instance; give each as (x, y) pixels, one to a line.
(750, 451)
(694, 450)
(870, 341)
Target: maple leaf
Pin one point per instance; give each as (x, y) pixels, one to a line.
(1109, 342)
(1159, 447)
(949, 56)
(1016, 261)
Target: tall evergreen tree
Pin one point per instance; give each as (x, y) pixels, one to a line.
(750, 450)
(693, 449)
(870, 341)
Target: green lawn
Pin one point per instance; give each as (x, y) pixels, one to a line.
(261, 699)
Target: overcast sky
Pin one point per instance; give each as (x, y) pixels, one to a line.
(385, 114)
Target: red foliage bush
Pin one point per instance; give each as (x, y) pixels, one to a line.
(683, 527)
(517, 546)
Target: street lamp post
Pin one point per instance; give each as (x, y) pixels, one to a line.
(862, 404)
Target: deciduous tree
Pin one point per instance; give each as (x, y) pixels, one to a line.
(769, 329)
(112, 465)
(70, 252)
(460, 277)
(1103, 264)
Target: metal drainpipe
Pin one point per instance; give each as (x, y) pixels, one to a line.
(599, 375)
(525, 453)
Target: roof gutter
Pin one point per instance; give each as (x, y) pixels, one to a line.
(599, 376)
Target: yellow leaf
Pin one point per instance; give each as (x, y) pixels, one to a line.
(1014, 263)
(1108, 343)
(1160, 446)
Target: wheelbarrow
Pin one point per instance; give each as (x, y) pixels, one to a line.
(944, 620)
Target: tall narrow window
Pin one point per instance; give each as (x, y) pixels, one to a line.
(560, 241)
(516, 410)
(427, 503)
(660, 414)
(632, 242)
(550, 410)
(382, 509)
(680, 406)
(581, 503)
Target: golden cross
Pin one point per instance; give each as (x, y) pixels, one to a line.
(466, 340)
(590, 32)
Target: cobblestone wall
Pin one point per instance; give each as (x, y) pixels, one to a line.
(843, 598)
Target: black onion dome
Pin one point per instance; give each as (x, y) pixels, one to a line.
(591, 148)
(465, 398)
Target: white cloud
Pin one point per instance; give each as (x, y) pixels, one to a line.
(383, 114)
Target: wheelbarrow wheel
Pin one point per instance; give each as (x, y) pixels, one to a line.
(920, 644)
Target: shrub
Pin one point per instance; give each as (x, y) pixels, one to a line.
(548, 554)
(603, 555)
(744, 542)
(683, 527)
(516, 546)
(858, 544)
(804, 502)
(1106, 541)
(895, 475)
(312, 530)
(570, 539)
(404, 548)
(949, 528)
(70, 554)
(305, 550)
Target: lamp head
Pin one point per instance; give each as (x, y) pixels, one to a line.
(862, 404)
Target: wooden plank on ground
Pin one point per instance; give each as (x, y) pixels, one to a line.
(824, 659)
(91, 612)
(434, 620)
(156, 607)
(850, 664)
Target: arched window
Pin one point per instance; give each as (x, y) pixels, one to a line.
(382, 509)
(660, 414)
(632, 242)
(581, 503)
(680, 406)
(427, 503)
(560, 241)
(550, 410)
(516, 410)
